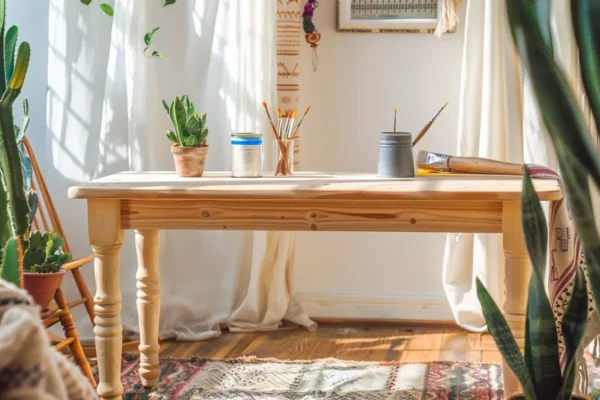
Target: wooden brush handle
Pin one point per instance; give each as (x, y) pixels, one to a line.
(484, 166)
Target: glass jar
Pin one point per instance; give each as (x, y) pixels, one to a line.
(246, 155)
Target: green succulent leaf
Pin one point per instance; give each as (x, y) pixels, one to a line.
(86, 2)
(171, 136)
(166, 106)
(191, 141)
(193, 127)
(10, 45)
(573, 326)
(32, 200)
(169, 2)
(107, 9)
(177, 114)
(585, 15)
(500, 331)
(543, 11)
(44, 253)
(9, 270)
(149, 36)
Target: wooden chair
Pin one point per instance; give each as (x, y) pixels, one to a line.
(46, 219)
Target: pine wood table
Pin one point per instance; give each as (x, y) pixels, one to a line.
(150, 201)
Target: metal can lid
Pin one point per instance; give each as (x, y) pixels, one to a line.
(246, 135)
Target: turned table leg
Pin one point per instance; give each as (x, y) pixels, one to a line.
(106, 237)
(148, 304)
(517, 267)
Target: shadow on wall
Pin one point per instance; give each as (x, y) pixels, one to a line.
(104, 115)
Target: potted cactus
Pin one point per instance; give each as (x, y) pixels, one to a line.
(189, 146)
(42, 261)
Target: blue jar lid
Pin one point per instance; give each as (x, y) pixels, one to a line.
(246, 139)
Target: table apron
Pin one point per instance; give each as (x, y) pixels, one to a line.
(313, 215)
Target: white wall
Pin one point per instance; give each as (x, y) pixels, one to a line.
(360, 79)
(31, 16)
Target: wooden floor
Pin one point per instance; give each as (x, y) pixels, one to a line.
(361, 342)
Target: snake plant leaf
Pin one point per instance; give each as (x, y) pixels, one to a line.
(585, 15)
(193, 127)
(543, 11)
(9, 270)
(177, 114)
(189, 106)
(560, 111)
(10, 44)
(107, 9)
(541, 339)
(166, 106)
(573, 326)
(500, 331)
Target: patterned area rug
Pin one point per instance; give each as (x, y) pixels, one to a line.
(268, 379)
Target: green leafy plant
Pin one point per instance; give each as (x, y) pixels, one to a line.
(190, 128)
(105, 7)
(539, 370)
(44, 253)
(9, 264)
(148, 38)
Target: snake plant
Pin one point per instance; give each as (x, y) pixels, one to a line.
(539, 370)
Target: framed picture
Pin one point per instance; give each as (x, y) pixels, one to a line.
(381, 16)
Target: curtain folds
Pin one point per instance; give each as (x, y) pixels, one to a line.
(105, 115)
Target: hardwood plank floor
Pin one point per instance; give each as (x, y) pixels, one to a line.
(361, 342)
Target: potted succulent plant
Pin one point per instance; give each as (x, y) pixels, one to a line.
(189, 146)
(42, 261)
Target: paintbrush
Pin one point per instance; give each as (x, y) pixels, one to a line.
(277, 138)
(395, 112)
(444, 163)
(426, 127)
(300, 123)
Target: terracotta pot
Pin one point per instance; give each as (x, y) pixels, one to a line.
(521, 397)
(189, 161)
(42, 286)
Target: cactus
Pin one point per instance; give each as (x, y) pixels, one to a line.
(190, 128)
(44, 253)
(15, 69)
(9, 267)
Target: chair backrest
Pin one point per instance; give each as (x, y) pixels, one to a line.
(46, 218)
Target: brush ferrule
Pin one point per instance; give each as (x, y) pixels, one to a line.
(436, 161)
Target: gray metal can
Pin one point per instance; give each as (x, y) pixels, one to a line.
(395, 155)
(246, 155)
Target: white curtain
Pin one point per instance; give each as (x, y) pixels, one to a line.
(498, 119)
(105, 115)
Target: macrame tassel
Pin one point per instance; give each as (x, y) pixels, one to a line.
(448, 17)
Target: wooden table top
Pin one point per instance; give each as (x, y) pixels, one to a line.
(306, 185)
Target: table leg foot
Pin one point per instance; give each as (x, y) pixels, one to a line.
(148, 304)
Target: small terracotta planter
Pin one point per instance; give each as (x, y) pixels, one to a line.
(189, 161)
(42, 286)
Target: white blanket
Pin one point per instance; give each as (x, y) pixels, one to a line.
(30, 368)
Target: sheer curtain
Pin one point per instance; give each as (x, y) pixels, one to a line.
(105, 115)
(499, 119)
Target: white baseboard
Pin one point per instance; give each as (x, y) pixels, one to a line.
(319, 305)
